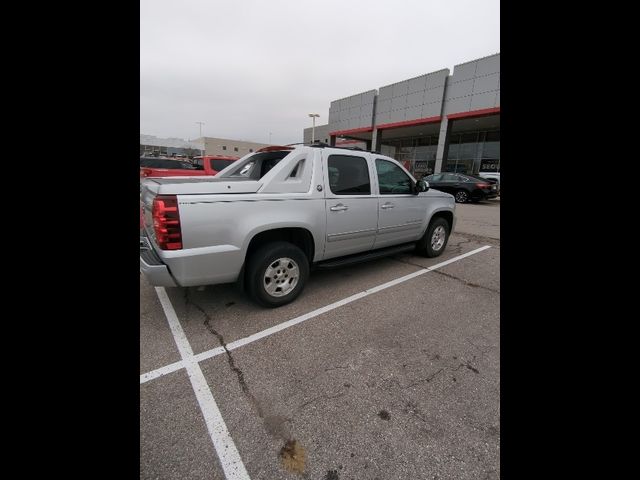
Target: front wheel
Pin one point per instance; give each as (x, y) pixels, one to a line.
(435, 239)
(276, 274)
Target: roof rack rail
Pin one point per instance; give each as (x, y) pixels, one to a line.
(358, 149)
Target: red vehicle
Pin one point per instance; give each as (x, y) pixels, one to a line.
(167, 167)
(212, 164)
(205, 165)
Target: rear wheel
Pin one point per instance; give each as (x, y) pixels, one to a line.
(276, 274)
(462, 196)
(435, 239)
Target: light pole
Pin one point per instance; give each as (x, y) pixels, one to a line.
(201, 150)
(313, 129)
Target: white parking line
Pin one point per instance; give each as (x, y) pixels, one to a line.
(227, 452)
(294, 321)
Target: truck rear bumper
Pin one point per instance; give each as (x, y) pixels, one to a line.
(153, 268)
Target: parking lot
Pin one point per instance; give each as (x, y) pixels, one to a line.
(385, 370)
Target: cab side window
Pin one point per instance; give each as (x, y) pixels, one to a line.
(348, 175)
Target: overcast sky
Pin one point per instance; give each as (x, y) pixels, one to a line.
(250, 67)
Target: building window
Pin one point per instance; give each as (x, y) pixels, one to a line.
(235, 149)
(224, 147)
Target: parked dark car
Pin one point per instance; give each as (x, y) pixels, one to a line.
(464, 188)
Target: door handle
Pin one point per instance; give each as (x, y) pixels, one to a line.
(339, 208)
(387, 205)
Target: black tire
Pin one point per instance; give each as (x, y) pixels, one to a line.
(461, 196)
(265, 258)
(424, 246)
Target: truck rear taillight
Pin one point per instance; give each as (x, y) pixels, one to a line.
(146, 172)
(166, 222)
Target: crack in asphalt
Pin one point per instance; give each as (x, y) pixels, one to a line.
(230, 360)
(319, 397)
(477, 238)
(483, 351)
(462, 280)
(428, 379)
(466, 282)
(468, 366)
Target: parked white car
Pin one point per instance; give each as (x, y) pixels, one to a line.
(491, 176)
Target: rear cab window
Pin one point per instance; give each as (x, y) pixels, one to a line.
(258, 165)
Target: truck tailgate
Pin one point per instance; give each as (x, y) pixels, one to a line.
(207, 185)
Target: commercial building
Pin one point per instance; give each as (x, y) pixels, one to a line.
(225, 146)
(150, 145)
(439, 121)
(169, 147)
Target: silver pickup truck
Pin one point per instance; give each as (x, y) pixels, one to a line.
(268, 218)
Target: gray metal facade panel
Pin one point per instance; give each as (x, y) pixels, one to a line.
(383, 105)
(397, 116)
(489, 65)
(415, 99)
(383, 117)
(367, 97)
(460, 89)
(413, 113)
(472, 86)
(433, 95)
(431, 110)
(417, 84)
(385, 93)
(462, 104)
(483, 100)
(437, 79)
(398, 103)
(366, 121)
(400, 89)
(464, 72)
(488, 83)
(366, 110)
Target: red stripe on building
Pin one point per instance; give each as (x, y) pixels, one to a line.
(408, 123)
(474, 113)
(341, 133)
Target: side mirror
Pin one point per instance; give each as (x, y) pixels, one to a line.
(421, 186)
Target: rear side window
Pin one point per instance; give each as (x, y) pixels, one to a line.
(348, 175)
(220, 164)
(198, 163)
